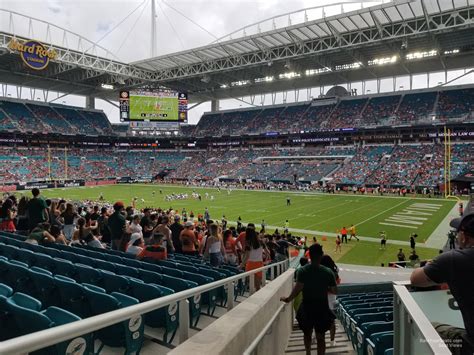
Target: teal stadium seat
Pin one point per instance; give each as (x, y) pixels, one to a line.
(365, 330)
(379, 342)
(129, 333)
(166, 317)
(72, 296)
(25, 320)
(5, 290)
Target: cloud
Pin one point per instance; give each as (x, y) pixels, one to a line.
(103, 27)
(54, 6)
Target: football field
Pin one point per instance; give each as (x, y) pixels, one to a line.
(309, 214)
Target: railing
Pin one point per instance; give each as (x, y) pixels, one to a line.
(48, 337)
(413, 332)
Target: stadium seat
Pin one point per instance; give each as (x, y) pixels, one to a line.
(150, 277)
(87, 274)
(372, 317)
(26, 256)
(45, 262)
(166, 317)
(133, 263)
(208, 298)
(45, 289)
(26, 321)
(112, 258)
(365, 330)
(127, 270)
(105, 265)
(5, 290)
(129, 333)
(25, 301)
(379, 342)
(72, 296)
(115, 283)
(177, 285)
(64, 267)
(171, 271)
(151, 266)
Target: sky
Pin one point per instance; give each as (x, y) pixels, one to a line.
(181, 24)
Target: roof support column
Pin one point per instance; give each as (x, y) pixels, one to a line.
(214, 105)
(90, 102)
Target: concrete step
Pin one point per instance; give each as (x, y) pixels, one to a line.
(343, 345)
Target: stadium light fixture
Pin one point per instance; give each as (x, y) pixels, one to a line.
(289, 75)
(107, 86)
(355, 65)
(310, 72)
(240, 83)
(420, 55)
(383, 61)
(264, 79)
(452, 51)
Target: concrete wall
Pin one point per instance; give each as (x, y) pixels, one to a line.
(232, 333)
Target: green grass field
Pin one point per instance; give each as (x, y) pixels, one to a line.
(309, 214)
(167, 106)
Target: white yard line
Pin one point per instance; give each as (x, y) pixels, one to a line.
(378, 214)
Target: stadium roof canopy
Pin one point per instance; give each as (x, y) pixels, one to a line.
(398, 38)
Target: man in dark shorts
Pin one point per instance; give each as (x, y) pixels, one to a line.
(315, 281)
(344, 234)
(456, 268)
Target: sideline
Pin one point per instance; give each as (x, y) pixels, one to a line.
(328, 234)
(439, 237)
(300, 193)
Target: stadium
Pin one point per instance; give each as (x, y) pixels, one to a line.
(168, 205)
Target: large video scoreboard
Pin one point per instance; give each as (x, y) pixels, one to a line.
(153, 106)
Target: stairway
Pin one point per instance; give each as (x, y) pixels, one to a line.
(343, 345)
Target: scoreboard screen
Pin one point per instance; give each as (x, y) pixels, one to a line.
(153, 106)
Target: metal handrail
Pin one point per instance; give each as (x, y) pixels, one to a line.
(262, 334)
(44, 338)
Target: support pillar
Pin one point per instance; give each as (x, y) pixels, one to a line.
(90, 102)
(214, 105)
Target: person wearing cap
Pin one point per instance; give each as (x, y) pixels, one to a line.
(156, 250)
(315, 281)
(117, 225)
(176, 229)
(187, 239)
(136, 244)
(456, 268)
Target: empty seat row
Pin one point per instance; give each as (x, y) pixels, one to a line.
(201, 274)
(21, 314)
(82, 300)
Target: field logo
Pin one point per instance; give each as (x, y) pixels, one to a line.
(34, 54)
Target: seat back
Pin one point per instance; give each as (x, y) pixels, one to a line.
(150, 277)
(72, 296)
(115, 283)
(379, 342)
(128, 334)
(127, 270)
(5, 290)
(45, 288)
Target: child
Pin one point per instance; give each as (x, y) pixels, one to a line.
(338, 244)
(383, 240)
